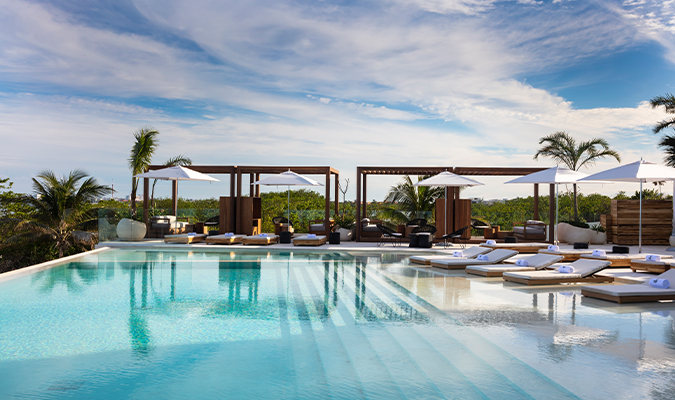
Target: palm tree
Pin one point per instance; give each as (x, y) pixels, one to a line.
(61, 205)
(179, 160)
(141, 155)
(562, 148)
(667, 144)
(668, 101)
(411, 200)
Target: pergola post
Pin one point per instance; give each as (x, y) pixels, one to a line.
(337, 193)
(551, 212)
(326, 222)
(536, 202)
(358, 204)
(251, 178)
(257, 187)
(365, 197)
(239, 227)
(146, 189)
(233, 213)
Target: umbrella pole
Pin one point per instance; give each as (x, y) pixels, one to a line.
(555, 228)
(445, 213)
(289, 205)
(640, 230)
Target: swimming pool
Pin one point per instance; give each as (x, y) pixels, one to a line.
(302, 324)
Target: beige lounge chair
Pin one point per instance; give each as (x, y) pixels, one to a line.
(618, 260)
(519, 247)
(224, 239)
(568, 255)
(494, 257)
(633, 293)
(304, 240)
(658, 267)
(583, 272)
(469, 252)
(185, 238)
(260, 240)
(535, 262)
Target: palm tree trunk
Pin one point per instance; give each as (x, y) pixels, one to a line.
(133, 196)
(576, 206)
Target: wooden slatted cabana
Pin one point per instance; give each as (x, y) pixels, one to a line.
(453, 193)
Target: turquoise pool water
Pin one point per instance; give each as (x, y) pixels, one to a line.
(135, 324)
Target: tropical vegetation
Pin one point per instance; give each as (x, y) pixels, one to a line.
(144, 147)
(407, 201)
(668, 102)
(563, 148)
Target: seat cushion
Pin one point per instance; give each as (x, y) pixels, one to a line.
(530, 230)
(370, 228)
(317, 228)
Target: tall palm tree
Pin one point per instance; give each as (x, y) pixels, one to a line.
(61, 205)
(141, 155)
(667, 144)
(563, 148)
(178, 161)
(411, 199)
(668, 101)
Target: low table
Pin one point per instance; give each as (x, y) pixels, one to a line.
(224, 239)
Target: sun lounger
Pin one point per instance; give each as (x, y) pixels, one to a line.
(535, 262)
(618, 260)
(568, 255)
(519, 247)
(633, 293)
(470, 252)
(260, 240)
(304, 240)
(224, 239)
(658, 267)
(493, 257)
(184, 238)
(583, 272)
(626, 275)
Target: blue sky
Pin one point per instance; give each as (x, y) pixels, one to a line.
(340, 83)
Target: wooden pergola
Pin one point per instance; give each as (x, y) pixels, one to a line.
(363, 172)
(236, 173)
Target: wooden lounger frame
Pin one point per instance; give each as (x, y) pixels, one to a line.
(304, 241)
(489, 274)
(626, 299)
(519, 249)
(457, 266)
(616, 263)
(220, 239)
(531, 282)
(260, 240)
(649, 267)
(567, 257)
(184, 238)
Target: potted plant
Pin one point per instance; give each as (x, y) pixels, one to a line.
(577, 232)
(343, 225)
(598, 236)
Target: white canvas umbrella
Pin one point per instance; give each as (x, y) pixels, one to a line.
(177, 173)
(447, 179)
(288, 178)
(639, 171)
(557, 176)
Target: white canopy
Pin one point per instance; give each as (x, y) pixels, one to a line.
(551, 175)
(446, 179)
(177, 174)
(288, 178)
(638, 171)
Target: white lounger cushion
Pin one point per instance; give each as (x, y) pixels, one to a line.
(495, 257)
(565, 252)
(668, 262)
(511, 245)
(470, 252)
(611, 256)
(643, 289)
(537, 261)
(582, 269)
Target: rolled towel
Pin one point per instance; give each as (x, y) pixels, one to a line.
(229, 233)
(567, 294)
(490, 242)
(192, 233)
(552, 247)
(653, 257)
(483, 257)
(659, 283)
(599, 253)
(457, 254)
(566, 269)
(263, 235)
(311, 236)
(522, 263)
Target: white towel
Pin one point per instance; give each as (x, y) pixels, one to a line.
(490, 242)
(661, 313)
(659, 283)
(483, 257)
(192, 233)
(552, 247)
(522, 263)
(566, 269)
(311, 236)
(457, 254)
(653, 257)
(229, 233)
(599, 253)
(263, 235)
